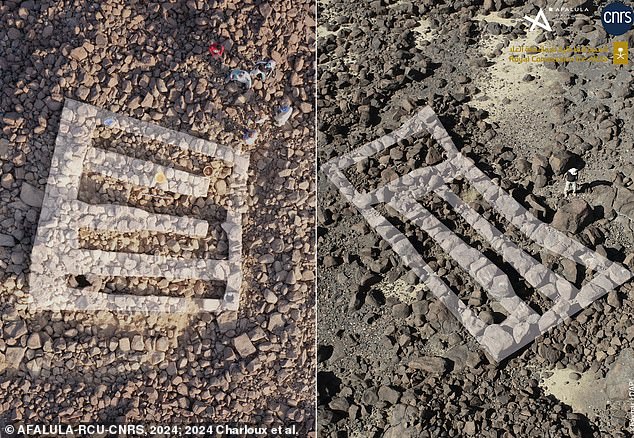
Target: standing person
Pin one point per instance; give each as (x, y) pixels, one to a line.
(571, 181)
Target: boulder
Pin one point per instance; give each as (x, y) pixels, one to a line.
(561, 161)
(573, 216)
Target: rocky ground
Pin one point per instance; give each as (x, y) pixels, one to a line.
(151, 61)
(392, 361)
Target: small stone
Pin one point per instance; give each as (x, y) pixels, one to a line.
(18, 257)
(291, 277)
(433, 157)
(296, 80)
(157, 357)
(266, 259)
(101, 40)
(540, 181)
(570, 270)
(182, 389)
(7, 240)
(14, 33)
(5, 149)
(432, 365)
(52, 104)
(243, 345)
(34, 342)
(82, 92)
(571, 338)
(14, 329)
(31, 196)
(549, 353)
(470, 428)
(35, 366)
(613, 299)
(270, 296)
(199, 408)
(339, 404)
(221, 187)
(48, 31)
(174, 246)
(388, 394)
(401, 311)
(162, 344)
(305, 107)
(137, 343)
(561, 161)
(265, 9)
(79, 53)
(13, 357)
(370, 397)
(148, 101)
(124, 344)
(276, 322)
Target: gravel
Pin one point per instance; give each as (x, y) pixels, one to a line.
(151, 62)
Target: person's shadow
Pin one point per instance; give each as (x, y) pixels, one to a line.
(593, 184)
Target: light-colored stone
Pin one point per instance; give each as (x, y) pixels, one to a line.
(34, 342)
(162, 344)
(79, 53)
(276, 322)
(157, 357)
(243, 345)
(124, 344)
(14, 329)
(13, 357)
(220, 187)
(35, 366)
(137, 343)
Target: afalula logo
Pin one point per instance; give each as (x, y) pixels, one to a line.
(576, 9)
(565, 9)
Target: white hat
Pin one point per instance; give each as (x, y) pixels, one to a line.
(573, 171)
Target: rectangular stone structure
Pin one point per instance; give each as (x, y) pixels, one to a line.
(57, 253)
(523, 324)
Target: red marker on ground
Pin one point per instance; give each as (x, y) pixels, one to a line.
(216, 50)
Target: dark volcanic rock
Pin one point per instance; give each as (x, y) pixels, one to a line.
(388, 394)
(572, 216)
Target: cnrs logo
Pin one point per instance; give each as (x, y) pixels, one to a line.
(617, 18)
